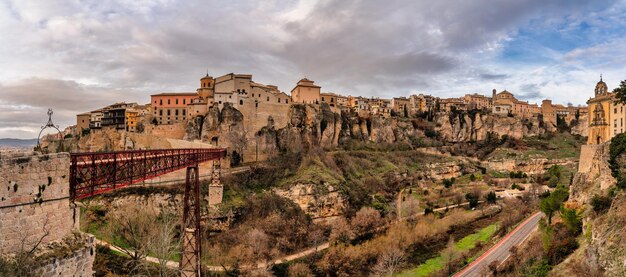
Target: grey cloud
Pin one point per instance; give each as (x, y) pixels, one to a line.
(490, 76)
(354, 47)
(25, 103)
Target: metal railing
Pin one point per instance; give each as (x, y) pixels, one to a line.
(98, 172)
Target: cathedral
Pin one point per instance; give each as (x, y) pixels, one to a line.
(606, 117)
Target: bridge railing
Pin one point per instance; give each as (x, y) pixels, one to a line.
(98, 172)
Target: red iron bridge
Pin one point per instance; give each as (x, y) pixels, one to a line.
(98, 172)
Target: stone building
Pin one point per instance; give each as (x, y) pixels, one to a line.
(478, 101)
(82, 122)
(399, 104)
(505, 103)
(421, 103)
(329, 98)
(171, 107)
(114, 116)
(606, 118)
(207, 87)
(449, 104)
(95, 121)
(306, 92)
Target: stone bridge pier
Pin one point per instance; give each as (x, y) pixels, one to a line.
(36, 214)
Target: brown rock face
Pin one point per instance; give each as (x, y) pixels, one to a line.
(318, 126)
(467, 127)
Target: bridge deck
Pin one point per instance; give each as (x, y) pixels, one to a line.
(95, 173)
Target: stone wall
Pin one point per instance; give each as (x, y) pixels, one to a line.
(78, 254)
(34, 199)
(34, 206)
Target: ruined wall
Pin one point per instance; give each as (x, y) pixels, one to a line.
(34, 205)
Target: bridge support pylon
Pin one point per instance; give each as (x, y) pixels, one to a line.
(190, 262)
(216, 190)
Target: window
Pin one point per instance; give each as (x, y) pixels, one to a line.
(169, 112)
(176, 101)
(168, 101)
(161, 102)
(176, 112)
(240, 102)
(278, 100)
(268, 99)
(230, 96)
(184, 101)
(161, 112)
(322, 98)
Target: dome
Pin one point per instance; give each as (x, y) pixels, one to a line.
(601, 87)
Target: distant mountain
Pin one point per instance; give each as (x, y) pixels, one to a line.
(17, 143)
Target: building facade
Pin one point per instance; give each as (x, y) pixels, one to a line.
(606, 117)
(82, 122)
(306, 92)
(169, 108)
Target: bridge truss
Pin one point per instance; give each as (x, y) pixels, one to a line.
(96, 173)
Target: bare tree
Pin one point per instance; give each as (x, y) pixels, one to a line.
(450, 255)
(134, 227)
(366, 220)
(299, 270)
(389, 261)
(341, 232)
(257, 241)
(458, 198)
(163, 245)
(24, 262)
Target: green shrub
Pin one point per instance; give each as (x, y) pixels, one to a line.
(491, 197)
(601, 204)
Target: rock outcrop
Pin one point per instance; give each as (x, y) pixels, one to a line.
(322, 126)
(605, 247)
(465, 127)
(317, 201)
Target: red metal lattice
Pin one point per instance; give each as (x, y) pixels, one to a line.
(95, 173)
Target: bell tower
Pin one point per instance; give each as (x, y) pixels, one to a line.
(207, 87)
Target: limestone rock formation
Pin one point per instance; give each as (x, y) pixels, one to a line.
(465, 127)
(605, 248)
(318, 201)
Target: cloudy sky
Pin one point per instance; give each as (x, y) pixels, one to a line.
(76, 56)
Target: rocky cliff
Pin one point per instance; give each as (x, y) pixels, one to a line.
(327, 127)
(465, 127)
(605, 247)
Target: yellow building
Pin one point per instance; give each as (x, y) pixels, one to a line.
(606, 118)
(306, 92)
(132, 116)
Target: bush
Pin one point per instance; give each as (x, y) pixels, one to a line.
(448, 182)
(601, 204)
(617, 149)
(491, 197)
(573, 220)
(431, 133)
(472, 198)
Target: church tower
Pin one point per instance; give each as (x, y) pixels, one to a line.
(207, 87)
(601, 88)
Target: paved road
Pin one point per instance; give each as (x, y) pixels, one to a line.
(500, 251)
